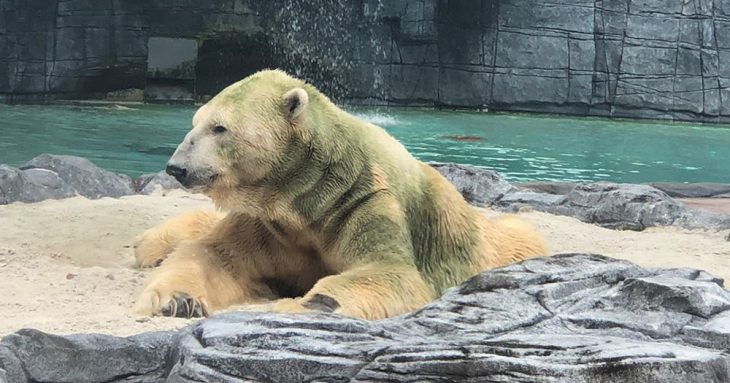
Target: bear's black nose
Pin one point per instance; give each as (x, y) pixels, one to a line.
(177, 172)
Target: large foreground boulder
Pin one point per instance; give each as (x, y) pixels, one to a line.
(566, 318)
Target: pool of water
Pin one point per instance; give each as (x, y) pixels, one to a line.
(140, 139)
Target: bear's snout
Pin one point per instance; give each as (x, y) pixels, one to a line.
(177, 172)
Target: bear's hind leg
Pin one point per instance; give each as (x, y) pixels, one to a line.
(512, 238)
(374, 291)
(155, 244)
(379, 278)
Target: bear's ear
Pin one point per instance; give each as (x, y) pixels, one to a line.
(295, 101)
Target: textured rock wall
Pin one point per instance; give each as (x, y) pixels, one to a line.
(624, 58)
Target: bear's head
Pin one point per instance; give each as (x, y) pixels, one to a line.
(240, 135)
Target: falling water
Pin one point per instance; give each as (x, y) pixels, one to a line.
(332, 44)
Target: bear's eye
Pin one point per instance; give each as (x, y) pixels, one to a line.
(219, 129)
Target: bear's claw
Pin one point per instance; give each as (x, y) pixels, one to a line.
(184, 306)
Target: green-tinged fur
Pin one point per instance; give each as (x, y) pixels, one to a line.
(327, 171)
(334, 206)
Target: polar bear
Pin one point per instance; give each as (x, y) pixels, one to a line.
(319, 211)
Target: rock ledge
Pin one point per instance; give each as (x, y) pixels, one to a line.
(611, 205)
(566, 318)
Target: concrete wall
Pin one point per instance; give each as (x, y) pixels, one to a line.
(628, 58)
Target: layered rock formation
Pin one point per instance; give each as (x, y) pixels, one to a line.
(51, 176)
(611, 205)
(621, 58)
(57, 176)
(566, 318)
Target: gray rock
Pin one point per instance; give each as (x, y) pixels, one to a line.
(703, 219)
(633, 207)
(477, 185)
(672, 189)
(615, 206)
(50, 182)
(12, 184)
(561, 188)
(515, 201)
(83, 176)
(31, 185)
(94, 357)
(148, 183)
(621, 206)
(694, 190)
(566, 318)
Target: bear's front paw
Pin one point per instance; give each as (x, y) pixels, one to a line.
(176, 304)
(184, 306)
(151, 249)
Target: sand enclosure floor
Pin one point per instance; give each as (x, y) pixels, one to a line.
(67, 266)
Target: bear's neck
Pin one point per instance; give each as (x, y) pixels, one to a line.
(337, 160)
(316, 176)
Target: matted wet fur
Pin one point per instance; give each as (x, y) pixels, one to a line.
(318, 211)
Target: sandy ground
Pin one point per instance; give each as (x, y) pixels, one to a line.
(66, 266)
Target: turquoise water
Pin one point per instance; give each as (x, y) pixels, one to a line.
(140, 140)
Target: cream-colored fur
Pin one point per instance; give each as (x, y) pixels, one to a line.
(323, 212)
